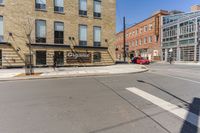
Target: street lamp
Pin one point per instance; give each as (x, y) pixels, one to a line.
(170, 58)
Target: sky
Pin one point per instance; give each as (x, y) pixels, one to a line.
(138, 10)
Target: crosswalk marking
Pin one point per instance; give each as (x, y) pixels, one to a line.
(174, 109)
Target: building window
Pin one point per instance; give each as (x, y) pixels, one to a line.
(83, 7)
(40, 4)
(1, 2)
(97, 8)
(150, 26)
(97, 36)
(41, 57)
(59, 6)
(40, 31)
(133, 33)
(145, 28)
(136, 32)
(140, 30)
(83, 35)
(145, 40)
(97, 57)
(1, 29)
(150, 39)
(140, 41)
(136, 44)
(59, 32)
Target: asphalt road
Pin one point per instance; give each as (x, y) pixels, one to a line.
(105, 104)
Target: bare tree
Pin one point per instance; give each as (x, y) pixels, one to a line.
(24, 33)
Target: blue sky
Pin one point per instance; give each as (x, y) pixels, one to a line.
(137, 10)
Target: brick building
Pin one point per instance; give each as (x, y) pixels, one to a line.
(142, 38)
(70, 32)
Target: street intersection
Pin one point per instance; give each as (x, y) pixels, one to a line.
(166, 99)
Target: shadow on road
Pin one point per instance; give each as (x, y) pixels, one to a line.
(194, 108)
(157, 87)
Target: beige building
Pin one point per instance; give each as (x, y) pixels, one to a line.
(65, 32)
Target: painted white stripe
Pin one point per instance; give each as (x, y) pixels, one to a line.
(174, 109)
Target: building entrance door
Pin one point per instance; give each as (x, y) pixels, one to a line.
(0, 58)
(59, 58)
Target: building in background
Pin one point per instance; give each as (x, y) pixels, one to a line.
(180, 36)
(195, 8)
(142, 38)
(65, 32)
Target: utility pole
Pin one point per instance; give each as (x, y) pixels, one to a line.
(124, 39)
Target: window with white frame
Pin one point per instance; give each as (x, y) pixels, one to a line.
(136, 32)
(140, 30)
(145, 28)
(1, 29)
(97, 8)
(150, 26)
(133, 33)
(59, 6)
(140, 41)
(83, 35)
(150, 39)
(145, 40)
(40, 31)
(40, 4)
(97, 36)
(83, 7)
(187, 27)
(169, 33)
(136, 43)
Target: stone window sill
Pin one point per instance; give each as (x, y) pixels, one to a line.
(42, 10)
(84, 16)
(62, 13)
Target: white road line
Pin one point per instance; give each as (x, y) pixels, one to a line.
(174, 109)
(190, 80)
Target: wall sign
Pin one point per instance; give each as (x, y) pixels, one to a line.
(79, 57)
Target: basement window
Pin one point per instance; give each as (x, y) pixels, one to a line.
(97, 57)
(41, 58)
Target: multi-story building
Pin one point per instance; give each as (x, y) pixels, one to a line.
(142, 38)
(68, 32)
(180, 36)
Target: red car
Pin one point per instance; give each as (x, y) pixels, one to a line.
(140, 60)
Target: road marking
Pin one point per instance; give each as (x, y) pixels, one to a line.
(190, 80)
(174, 109)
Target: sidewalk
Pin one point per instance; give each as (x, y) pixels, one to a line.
(13, 74)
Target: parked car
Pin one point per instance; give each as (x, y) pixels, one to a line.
(140, 60)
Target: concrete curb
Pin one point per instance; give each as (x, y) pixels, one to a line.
(68, 76)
